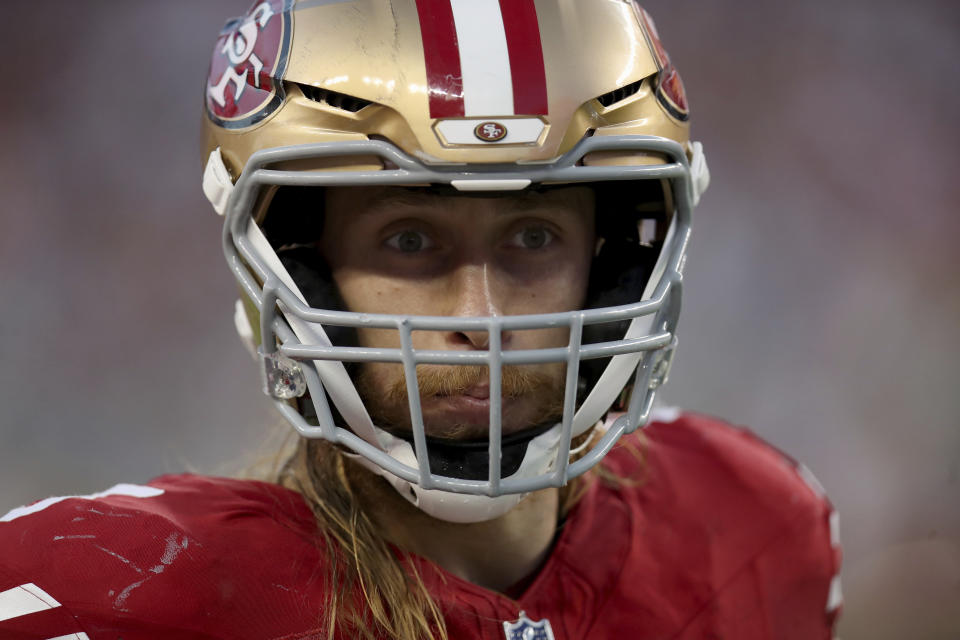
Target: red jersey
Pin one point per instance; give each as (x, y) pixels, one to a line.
(723, 537)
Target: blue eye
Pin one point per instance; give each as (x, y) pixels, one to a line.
(409, 241)
(533, 237)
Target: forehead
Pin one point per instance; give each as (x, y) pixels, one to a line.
(576, 199)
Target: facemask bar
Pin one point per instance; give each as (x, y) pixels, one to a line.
(493, 358)
(652, 350)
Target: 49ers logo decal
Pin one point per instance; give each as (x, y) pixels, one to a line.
(245, 85)
(490, 131)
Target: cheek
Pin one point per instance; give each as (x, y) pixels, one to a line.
(381, 385)
(381, 338)
(364, 292)
(373, 292)
(541, 339)
(381, 375)
(578, 277)
(359, 292)
(559, 286)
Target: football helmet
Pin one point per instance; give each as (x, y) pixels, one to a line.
(465, 96)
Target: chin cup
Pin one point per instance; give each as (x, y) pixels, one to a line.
(540, 458)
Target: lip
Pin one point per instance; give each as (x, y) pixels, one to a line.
(480, 392)
(465, 404)
(470, 412)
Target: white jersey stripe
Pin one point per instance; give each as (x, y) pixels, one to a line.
(835, 597)
(484, 58)
(40, 594)
(811, 481)
(133, 490)
(24, 600)
(73, 636)
(834, 529)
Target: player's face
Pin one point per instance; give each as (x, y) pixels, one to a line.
(412, 251)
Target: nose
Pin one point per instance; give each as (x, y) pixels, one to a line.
(475, 293)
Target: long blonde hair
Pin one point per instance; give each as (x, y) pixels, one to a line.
(370, 591)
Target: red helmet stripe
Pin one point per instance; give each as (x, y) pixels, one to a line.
(442, 57)
(526, 56)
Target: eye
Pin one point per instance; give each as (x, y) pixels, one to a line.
(409, 241)
(532, 237)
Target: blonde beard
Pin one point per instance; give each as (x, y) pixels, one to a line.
(388, 400)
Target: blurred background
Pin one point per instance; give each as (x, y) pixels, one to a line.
(822, 302)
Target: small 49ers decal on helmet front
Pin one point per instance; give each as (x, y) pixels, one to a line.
(490, 131)
(245, 83)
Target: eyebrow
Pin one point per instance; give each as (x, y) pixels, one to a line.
(400, 199)
(519, 202)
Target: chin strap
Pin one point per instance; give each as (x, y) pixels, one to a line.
(470, 459)
(540, 458)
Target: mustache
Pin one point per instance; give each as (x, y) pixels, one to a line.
(439, 381)
(387, 400)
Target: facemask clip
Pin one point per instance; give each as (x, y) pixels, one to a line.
(282, 377)
(661, 365)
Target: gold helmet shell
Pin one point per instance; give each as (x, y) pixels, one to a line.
(427, 74)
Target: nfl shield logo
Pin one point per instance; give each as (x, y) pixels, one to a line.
(526, 629)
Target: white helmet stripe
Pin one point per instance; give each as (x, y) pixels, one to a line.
(484, 60)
